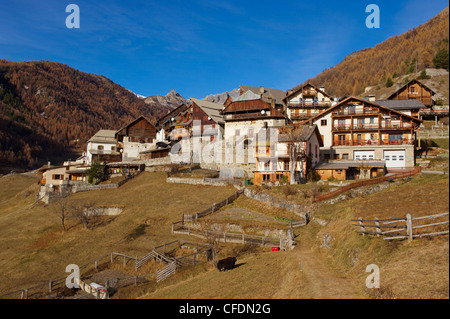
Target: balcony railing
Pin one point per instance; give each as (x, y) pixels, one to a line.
(304, 116)
(374, 142)
(372, 126)
(364, 111)
(323, 104)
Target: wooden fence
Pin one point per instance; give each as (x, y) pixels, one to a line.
(367, 182)
(403, 228)
(202, 253)
(213, 208)
(283, 243)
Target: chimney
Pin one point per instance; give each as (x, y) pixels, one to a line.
(261, 90)
(48, 164)
(372, 98)
(322, 88)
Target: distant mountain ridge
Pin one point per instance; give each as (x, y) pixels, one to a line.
(45, 107)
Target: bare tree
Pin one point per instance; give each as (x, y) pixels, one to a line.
(292, 135)
(63, 209)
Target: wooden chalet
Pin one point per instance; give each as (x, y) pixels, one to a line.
(361, 130)
(164, 124)
(137, 136)
(306, 101)
(414, 89)
(208, 114)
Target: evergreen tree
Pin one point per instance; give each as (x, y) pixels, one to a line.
(440, 60)
(389, 83)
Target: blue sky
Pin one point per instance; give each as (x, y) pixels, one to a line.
(201, 47)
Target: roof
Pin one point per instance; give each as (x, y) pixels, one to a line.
(357, 99)
(276, 94)
(119, 132)
(304, 133)
(104, 136)
(300, 87)
(411, 104)
(347, 164)
(211, 109)
(181, 108)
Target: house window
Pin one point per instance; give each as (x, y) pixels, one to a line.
(100, 147)
(387, 158)
(394, 157)
(323, 122)
(266, 178)
(286, 165)
(401, 158)
(372, 120)
(345, 156)
(267, 166)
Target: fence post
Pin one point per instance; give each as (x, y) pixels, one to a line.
(377, 223)
(362, 225)
(409, 229)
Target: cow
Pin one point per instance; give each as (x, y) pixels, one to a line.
(226, 264)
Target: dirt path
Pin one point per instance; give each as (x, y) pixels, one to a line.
(320, 279)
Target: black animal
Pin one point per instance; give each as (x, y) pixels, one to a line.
(226, 264)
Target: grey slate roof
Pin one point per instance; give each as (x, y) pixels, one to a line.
(211, 109)
(104, 136)
(278, 95)
(411, 104)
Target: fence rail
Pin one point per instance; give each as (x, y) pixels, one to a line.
(283, 243)
(47, 287)
(213, 208)
(403, 229)
(368, 182)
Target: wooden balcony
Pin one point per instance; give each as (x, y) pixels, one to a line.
(373, 142)
(365, 111)
(304, 116)
(372, 127)
(310, 104)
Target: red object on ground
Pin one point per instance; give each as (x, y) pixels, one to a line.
(275, 248)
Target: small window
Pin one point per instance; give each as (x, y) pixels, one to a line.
(387, 158)
(100, 147)
(394, 157)
(323, 122)
(401, 158)
(371, 157)
(345, 156)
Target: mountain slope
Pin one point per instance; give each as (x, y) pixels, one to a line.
(395, 55)
(48, 107)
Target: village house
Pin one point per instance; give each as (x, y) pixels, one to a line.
(136, 137)
(411, 107)
(247, 114)
(274, 160)
(275, 95)
(57, 179)
(365, 135)
(164, 124)
(102, 147)
(414, 89)
(306, 101)
(208, 115)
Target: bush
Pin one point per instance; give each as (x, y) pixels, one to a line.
(288, 190)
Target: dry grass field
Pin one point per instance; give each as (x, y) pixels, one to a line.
(34, 248)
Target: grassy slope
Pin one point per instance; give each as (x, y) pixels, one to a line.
(415, 270)
(34, 248)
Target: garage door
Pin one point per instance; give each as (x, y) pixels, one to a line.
(395, 158)
(364, 155)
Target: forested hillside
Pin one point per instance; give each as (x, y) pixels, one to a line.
(399, 55)
(46, 108)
